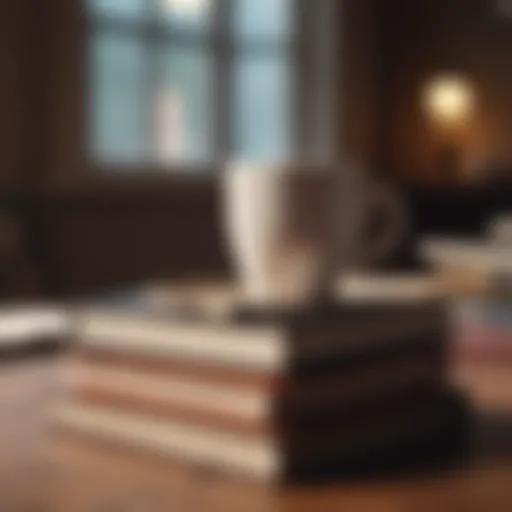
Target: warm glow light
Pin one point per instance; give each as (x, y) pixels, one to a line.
(449, 99)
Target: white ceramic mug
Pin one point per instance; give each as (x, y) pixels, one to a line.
(291, 231)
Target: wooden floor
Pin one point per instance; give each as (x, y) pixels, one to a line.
(38, 474)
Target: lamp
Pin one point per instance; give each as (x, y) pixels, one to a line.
(449, 99)
(449, 103)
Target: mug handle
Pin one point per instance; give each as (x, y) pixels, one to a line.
(385, 202)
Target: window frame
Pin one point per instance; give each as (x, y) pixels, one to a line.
(223, 47)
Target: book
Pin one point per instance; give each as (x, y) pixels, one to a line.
(399, 289)
(343, 445)
(263, 393)
(477, 255)
(27, 330)
(273, 344)
(255, 406)
(482, 328)
(476, 268)
(20, 324)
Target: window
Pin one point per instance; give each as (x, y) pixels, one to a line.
(197, 81)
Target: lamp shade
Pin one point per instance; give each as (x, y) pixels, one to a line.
(449, 99)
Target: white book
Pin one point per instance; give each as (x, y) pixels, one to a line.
(27, 324)
(399, 289)
(254, 457)
(269, 347)
(478, 256)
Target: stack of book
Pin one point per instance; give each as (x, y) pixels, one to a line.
(477, 276)
(470, 267)
(482, 328)
(272, 397)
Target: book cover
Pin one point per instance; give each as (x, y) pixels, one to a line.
(266, 344)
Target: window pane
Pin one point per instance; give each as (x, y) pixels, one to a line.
(184, 105)
(269, 19)
(119, 8)
(118, 126)
(187, 14)
(263, 107)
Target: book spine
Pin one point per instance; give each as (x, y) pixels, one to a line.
(202, 371)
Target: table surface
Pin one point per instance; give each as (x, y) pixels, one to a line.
(39, 473)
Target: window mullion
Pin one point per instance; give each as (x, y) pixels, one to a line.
(222, 49)
(152, 42)
(310, 118)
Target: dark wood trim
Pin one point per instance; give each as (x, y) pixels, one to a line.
(303, 77)
(67, 81)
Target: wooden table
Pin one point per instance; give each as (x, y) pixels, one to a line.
(40, 475)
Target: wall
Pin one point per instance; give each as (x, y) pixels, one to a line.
(17, 96)
(100, 236)
(87, 231)
(418, 39)
(359, 82)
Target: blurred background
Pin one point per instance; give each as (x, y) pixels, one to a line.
(117, 115)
